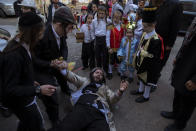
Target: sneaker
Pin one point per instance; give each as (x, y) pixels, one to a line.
(141, 99)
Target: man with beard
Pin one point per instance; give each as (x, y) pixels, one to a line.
(53, 46)
(92, 99)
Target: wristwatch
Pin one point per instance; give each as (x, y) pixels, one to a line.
(38, 90)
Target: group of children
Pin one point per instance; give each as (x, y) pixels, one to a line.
(112, 43)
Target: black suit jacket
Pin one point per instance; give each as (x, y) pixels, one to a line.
(49, 18)
(44, 52)
(169, 15)
(185, 66)
(18, 79)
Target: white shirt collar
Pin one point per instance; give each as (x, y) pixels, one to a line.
(55, 34)
(27, 47)
(148, 35)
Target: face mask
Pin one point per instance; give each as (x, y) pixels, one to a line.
(3, 44)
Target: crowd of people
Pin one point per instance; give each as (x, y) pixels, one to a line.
(131, 39)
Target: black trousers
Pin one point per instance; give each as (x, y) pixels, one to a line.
(101, 52)
(83, 118)
(183, 107)
(113, 59)
(88, 55)
(52, 106)
(166, 57)
(30, 118)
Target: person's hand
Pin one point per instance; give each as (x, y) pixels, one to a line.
(47, 90)
(110, 51)
(36, 83)
(191, 86)
(168, 48)
(63, 65)
(123, 86)
(56, 63)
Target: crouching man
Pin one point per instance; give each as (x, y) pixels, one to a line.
(91, 102)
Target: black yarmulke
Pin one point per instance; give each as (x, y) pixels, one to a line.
(29, 19)
(149, 14)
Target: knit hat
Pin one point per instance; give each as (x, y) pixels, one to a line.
(29, 19)
(63, 14)
(149, 14)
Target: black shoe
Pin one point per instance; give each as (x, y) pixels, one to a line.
(141, 99)
(109, 76)
(168, 115)
(173, 127)
(136, 92)
(153, 89)
(55, 123)
(6, 113)
(130, 80)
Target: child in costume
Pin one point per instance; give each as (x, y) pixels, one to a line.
(147, 60)
(88, 55)
(131, 14)
(114, 35)
(126, 51)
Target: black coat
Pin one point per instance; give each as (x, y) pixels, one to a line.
(169, 15)
(185, 66)
(49, 18)
(151, 65)
(18, 80)
(17, 8)
(44, 52)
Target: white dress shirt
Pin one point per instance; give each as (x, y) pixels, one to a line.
(88, 34)
(99, 27)
(148, 35)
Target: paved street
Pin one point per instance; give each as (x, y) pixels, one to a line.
(129, 116)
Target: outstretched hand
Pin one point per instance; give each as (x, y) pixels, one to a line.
(123, 86)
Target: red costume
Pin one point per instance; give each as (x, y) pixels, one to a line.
(116, 37)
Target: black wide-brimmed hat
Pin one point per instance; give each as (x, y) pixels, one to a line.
(29, 19)
(149, 14)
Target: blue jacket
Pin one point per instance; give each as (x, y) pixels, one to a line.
(124, 47)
